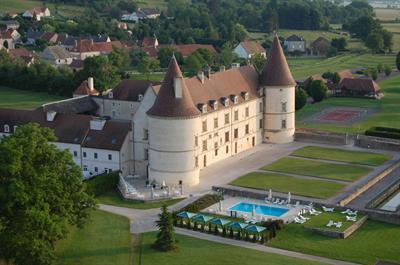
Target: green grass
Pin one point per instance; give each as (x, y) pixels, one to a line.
(113, 198)
(103, 241)
(23, 99)
(152, 77)
(303, 67)
(282, 183)
(387, 14)
(395, 29)
(389, 116)
(373, 241)
(18, 5)
(320, 221)
(318, 169)
(355, 157)
(195, 251)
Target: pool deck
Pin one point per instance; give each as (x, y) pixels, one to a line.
(229, 202)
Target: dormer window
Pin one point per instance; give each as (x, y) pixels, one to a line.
(245, 95)
(214, 104)
(203, 108)
(225, 101)
(235, 99)
(110, 95)
(6, 128)
(140, 97)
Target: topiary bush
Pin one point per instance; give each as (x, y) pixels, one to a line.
(384, 132)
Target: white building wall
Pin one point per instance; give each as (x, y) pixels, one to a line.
(241, 52)
(117, 109)
(74, 149)
(102, 162)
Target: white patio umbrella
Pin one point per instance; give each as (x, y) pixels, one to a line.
(163, 183)
(270, 195)
(289, 197)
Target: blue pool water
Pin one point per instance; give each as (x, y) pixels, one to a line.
(260, 209)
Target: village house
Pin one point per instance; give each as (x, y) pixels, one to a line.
(320, 47)
(32, 35)
(9, 24)
(86, 88)
(141, 13)
(37, 13)
(188, 49)
(22, 54)
(295, 43)
(359, 87)
(88, 48)
(50, 37)
(8, 38)
(246, 49)
(56, 56)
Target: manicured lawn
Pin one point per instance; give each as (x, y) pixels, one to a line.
(356, 157)
(153, 77)
(283, 183)
(320, 221)
(395, 29)
(18, 5)
(318, 169)
(388, 116)
(105, 240)
(195, 251)
(113, 198)
(373, 241)
(24, 99)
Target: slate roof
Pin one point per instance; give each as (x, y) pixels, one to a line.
(58, 52)
(84, 104)
(129, 90)
(276, 71)
(294, 37)
(111, 137)
(84, 89)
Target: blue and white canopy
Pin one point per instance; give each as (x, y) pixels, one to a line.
(202, 218)
(255, 228)
(238, 225)
(220, 221)
(186, 215)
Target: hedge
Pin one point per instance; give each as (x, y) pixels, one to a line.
(383, 132)
(102, 183)
(202, 203)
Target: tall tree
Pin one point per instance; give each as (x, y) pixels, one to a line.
(148, 65)
(398, 61)
(166, 235)
(41, 195)
(318, 90)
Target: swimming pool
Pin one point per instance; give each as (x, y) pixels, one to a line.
(260, 209)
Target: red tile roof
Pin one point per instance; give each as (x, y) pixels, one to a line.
(149, 42)
(166, 103)
(90, 46)
(360, 84)
(345, 74)
(84, 89)
(19, 53)
(49, 36)
(276, 71)
(188, 49)
(252, 47)
(7, 34)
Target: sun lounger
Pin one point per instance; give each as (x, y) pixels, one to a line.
(346, 212)
(282, 202)
(304, 218)
(297, 204)
(351, 218)
(314, 212)
(330, 223)
(338, 224)
(299, 221)
(326, 209)
(352, 213)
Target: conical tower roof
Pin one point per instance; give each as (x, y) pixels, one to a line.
(276, 71)
(167, 104)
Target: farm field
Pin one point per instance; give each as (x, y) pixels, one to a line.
(395, 29)
(361, 247)
(104, 240)
(282, 183)
(388, 116)
(387, 14)
(355, 157)
(304, 67)
(195, 251)
(318, 169)
(309, 35)
(24, 99)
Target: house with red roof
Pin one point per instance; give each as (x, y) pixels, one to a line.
(37, 13)
(247, 49)
(87, 48)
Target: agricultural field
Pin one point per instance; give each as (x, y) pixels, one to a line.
(387, 14)
(104, 240)
(373, 241)
(309, 35)
(24, 99)
(283, 183)
(303, 67)
(388, 116)
(395, 29)
(354, 157)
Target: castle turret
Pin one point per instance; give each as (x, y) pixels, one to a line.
(279, 89)
(174, 123)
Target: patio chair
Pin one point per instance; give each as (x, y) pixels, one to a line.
(304, 218)
(299, 221)
(314, 212)
(351, 218)
(354, 213)
(330, 223)
(338, 224)
(326, 209)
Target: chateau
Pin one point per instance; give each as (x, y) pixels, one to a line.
(174, 129)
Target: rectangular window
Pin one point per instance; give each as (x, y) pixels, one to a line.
(205, 145)
(196, 161)
(96, 169)
(261, 123)
(236, 115)
(283, 124)
(216, 152)
(204, 126)
(145, 134)
(227, 149)
(247, 111)
(247, 129)
(215, 123)
(261, 107)
(84, 154)
(85, 168)
(196, 141)
(75, 153)
(226, 118)
(283, 106)
(226, 137)
(236, 133)
(109, 157)
(95, 155)
(146, 154)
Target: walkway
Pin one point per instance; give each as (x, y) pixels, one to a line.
(259, 247)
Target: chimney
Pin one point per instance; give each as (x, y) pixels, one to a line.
(200, 76)
(50, 115)
(91, 41)
(97, 124)
(207, 71)
(222, 68)
(91, 83)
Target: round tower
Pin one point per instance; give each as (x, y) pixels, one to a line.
(279, 97)
(174, 123)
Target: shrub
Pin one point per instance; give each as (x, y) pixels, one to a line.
(195, 226)
(374, 74)
(201, 203)
(318, 90)
(238, 235)
(202, 227)
(262, 240)
(215, 230)
(254, 238)
(224, 231)
(102, 183)
(301, 98)
(384, 132)
(188, 224)
(231, 233)
(387, 70)
(379, 67)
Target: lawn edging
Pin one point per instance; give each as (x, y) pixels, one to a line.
(339, 234)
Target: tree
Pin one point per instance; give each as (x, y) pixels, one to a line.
(258, 61)
(137, 56)
(388, 70)
(379, 67)
(318, 90)
(48, 28)
(148, 65)
(300, 98)
(165, 237)
(374, 42)
(41, 195)
(193, 64)
(119, 58)
(226, 55)
(339, 43)
(164, 56)
(398, 61)
(336, 78)
(374, 74)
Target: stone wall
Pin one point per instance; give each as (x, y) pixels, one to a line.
(315, 136)
(372, 142)
(383, 196)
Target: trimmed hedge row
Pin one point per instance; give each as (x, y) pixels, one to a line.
(202, 203)
(102, 183)
(383, 132)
